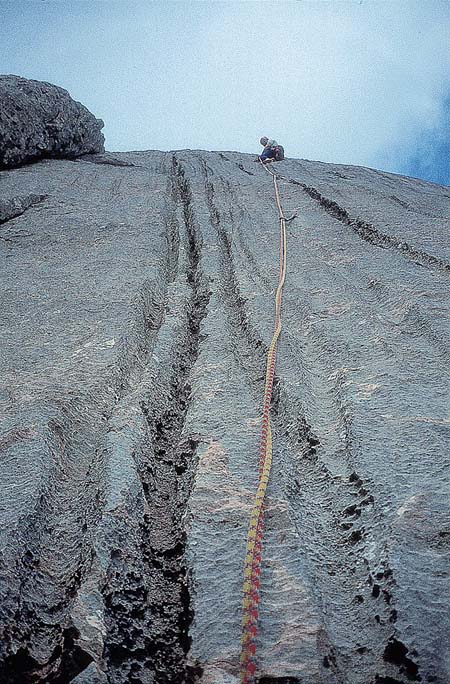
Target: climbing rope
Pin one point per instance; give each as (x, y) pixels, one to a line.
(252, 569)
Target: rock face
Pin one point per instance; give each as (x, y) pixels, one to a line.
(137, 308)
(39, 120)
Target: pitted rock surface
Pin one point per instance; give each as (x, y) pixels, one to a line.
(41, 120)
(137, 309)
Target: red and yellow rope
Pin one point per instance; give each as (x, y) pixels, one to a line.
(252, 569)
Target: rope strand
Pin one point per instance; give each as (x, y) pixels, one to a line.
(252, 568)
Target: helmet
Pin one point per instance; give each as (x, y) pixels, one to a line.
(264, 140)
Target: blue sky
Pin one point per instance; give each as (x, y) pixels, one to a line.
(356, 82)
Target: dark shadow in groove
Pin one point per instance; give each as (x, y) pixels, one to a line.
(241, 167)
(397, 654)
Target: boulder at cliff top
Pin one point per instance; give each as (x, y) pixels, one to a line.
(41, 120)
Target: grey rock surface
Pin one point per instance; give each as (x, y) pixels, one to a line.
(137, 309)
(41, 120)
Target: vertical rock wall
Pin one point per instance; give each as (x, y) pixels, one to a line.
(138, 308)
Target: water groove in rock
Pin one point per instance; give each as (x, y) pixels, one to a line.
(149, 609)
(369, 233)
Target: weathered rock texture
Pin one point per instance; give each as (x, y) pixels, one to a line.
(40, 120)
(137, 308)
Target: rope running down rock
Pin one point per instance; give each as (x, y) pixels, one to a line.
(252, 569)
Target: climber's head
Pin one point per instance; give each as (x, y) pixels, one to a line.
(264, 140)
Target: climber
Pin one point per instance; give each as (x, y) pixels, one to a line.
(272, 151)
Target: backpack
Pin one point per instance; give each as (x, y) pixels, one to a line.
(279, 153)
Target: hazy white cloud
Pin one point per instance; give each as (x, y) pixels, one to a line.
(353, 82)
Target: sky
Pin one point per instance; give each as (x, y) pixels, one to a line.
(363, 82)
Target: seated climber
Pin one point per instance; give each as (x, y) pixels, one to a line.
(272, 151)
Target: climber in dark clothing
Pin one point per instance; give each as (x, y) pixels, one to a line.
(272, 151)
